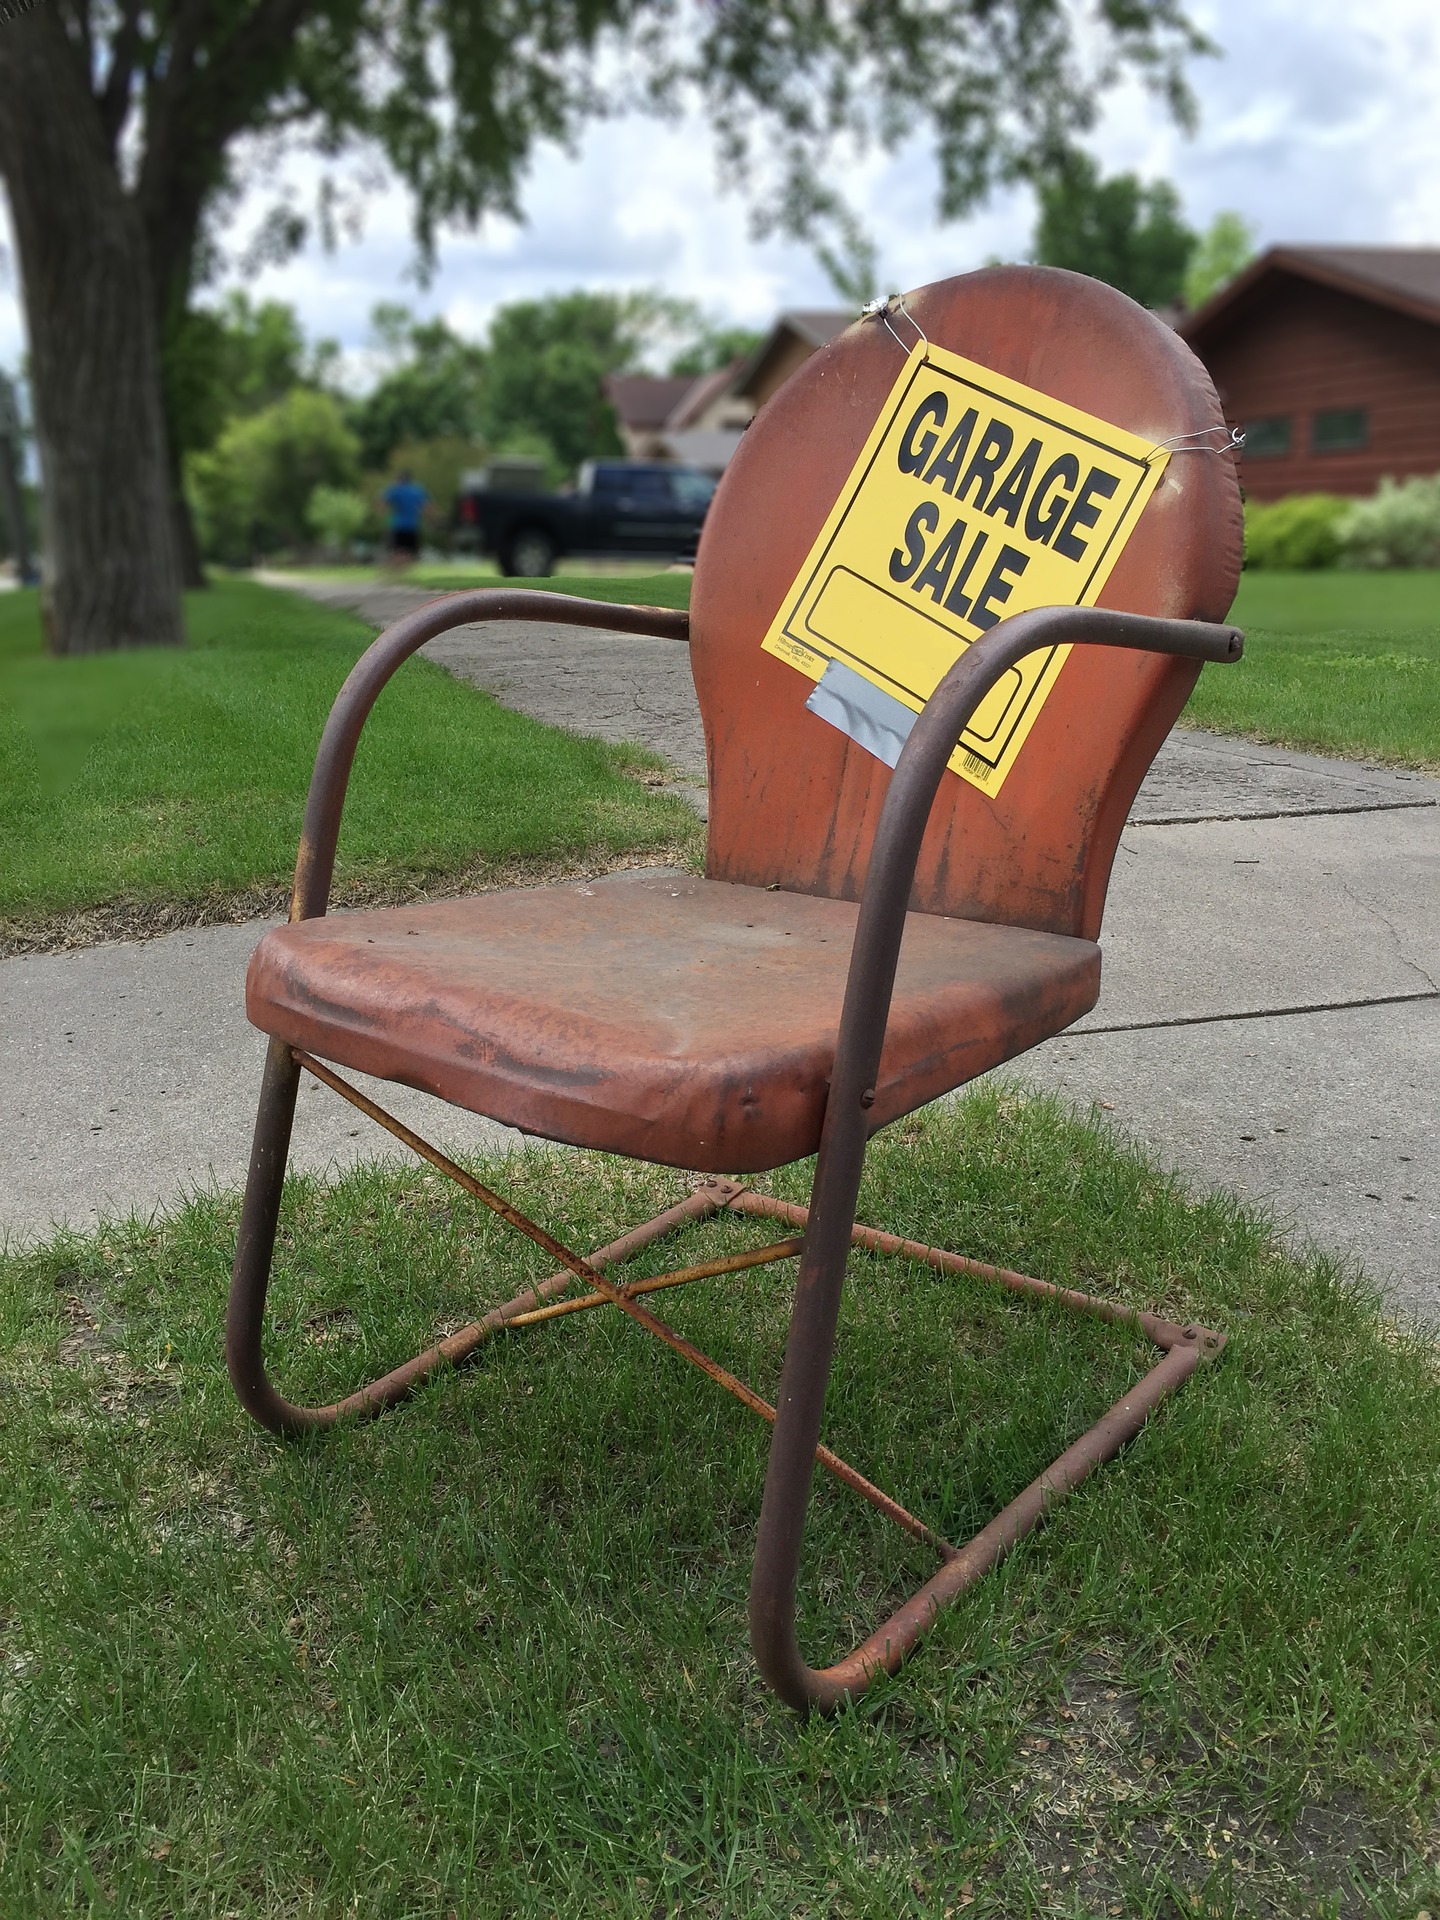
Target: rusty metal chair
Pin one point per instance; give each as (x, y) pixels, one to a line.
(748, 1019)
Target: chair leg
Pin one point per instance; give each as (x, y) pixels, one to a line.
(255, 1246)
(799, 1408)
(808, 1355)
(829, 1230)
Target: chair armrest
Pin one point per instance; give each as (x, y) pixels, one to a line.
(315, 863)
(916, 780)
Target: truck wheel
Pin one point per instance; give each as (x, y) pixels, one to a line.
(529, 554)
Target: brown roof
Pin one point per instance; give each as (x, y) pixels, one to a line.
(646, 399)
(816, 326)
(1412, 272)
(1407, 278)
(702, 391)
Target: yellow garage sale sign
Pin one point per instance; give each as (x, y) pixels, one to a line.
(975, 497)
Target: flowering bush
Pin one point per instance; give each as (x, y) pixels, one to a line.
(1399, 527)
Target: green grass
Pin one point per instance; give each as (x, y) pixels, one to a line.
(1339, 663)
(629, 589)
(179, 777)
(172, 783)
(487, 1656)
(1335, 662)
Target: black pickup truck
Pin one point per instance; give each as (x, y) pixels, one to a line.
(618, 507)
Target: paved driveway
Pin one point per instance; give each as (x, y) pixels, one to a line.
(1270, 1018)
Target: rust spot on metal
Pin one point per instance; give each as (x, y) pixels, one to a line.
(582, 1018)
(679, 1277)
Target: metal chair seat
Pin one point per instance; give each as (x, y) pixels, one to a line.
(679, 1020)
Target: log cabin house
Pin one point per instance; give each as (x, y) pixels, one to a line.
(1329, 359)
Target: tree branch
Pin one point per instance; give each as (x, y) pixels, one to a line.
(193, 111)
(75, 17)
(114, 98)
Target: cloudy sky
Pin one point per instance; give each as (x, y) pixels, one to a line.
(1320, 122)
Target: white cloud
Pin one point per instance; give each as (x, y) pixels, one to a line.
(1321, 122)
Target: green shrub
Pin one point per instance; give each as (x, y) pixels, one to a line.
(251, 490)
(1297, 533)
(439, 465)
(337, 516)
(1399, 527)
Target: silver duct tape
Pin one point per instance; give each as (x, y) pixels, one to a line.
(871, 718)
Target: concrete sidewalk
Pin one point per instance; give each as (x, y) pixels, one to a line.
(1270, 1018)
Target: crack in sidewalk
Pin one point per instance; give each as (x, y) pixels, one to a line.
(1367, 906)
(1280, 813)
(1254, 1013)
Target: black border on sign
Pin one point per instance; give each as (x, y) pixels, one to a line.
(873, 673)
(804, 596)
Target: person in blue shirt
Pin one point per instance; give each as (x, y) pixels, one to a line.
(406, 501)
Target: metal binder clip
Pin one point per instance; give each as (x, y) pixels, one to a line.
(880, 308)
(1200, 442)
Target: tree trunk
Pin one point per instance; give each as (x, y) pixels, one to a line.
(187, 540)
(14, 499)
(111, 572)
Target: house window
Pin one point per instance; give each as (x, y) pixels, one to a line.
(1340, 429)
(1268, 439)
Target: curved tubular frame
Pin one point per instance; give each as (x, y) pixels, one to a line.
(828, 1223)
(309, 898)
(315, 865)
(810, 1345)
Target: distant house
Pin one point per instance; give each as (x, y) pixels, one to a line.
(643, 402)
(787, 346)
(1329, 359)
(698, 422)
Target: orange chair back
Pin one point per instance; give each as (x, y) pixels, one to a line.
(793, 802)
